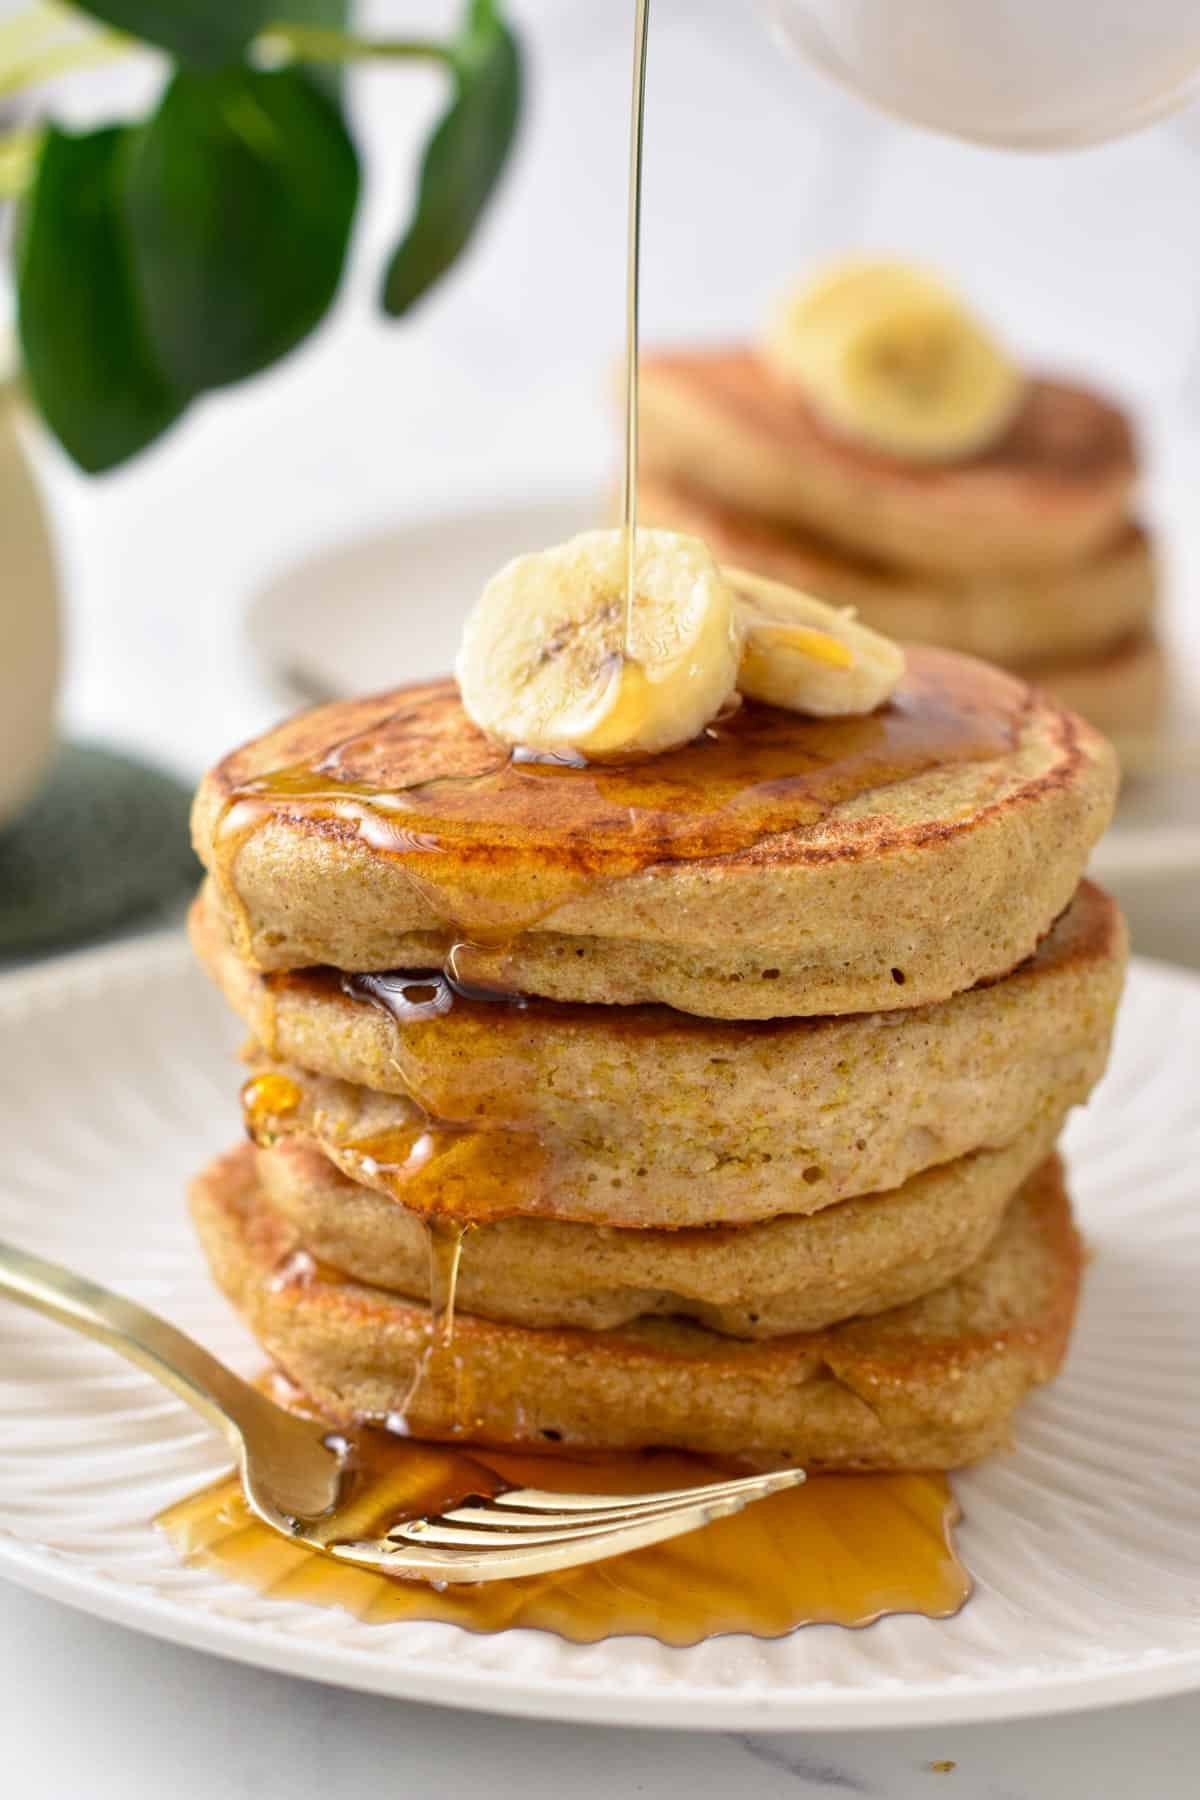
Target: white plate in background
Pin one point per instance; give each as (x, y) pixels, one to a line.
(388, 608)
(118, 1084)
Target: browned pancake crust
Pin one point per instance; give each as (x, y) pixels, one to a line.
(1051, 491)
(928, 1385)
(655, 883)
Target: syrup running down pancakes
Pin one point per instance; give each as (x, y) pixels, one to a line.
(702, 1105)
(779, 866)
(668, 1227)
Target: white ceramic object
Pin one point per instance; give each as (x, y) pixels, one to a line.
(29, 614)
(385, 609)
(1023, 74)
(1083, 1540)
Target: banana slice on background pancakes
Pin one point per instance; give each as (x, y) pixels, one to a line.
(888, 355)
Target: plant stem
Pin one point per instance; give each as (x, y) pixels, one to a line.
(314, 43)
(83, 53)
(18, 154)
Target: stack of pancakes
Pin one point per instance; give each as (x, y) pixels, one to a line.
(1025, 553)
(742, 1068)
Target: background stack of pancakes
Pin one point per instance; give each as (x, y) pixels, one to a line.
(1025, 553)
(756, 1142)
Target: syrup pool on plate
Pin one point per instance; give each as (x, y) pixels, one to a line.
(841, 1549)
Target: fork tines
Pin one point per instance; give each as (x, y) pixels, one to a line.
(531, 1530)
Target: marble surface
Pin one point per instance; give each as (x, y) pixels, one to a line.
(373, 421)
(91, 1712)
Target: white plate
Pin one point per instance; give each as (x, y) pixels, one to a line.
(117, 1086)
(387, 608)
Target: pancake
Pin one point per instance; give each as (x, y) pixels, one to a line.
(1072, 611)
(777, 866)
(750, 1281)
(1123, 691)
(1052, 491)
(479, 1174)
(713, 1112)
(928, 1385)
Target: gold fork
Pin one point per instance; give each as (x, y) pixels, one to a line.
(293, 1469)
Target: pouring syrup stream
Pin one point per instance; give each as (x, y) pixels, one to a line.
(632, 297)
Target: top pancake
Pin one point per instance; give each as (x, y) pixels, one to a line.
(1051, 491)
(777, 866)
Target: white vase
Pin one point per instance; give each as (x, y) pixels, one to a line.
(29, 615)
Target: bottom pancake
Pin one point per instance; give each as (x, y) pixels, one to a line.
(929, 1385)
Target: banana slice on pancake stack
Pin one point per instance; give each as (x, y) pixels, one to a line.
(553, 659)
(807, 657)
(549, 658)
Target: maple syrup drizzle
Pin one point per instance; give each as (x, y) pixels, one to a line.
(752, 775)
(409, 997)
(440, 1170)
(844, 1549)
(444, 1241)
(269, 1098)
(445, 1238)
(641, 20)
(492, 846)
(266, 1099)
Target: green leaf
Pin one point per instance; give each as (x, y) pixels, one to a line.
(463, 159)
(241, 193)
(90, 364)
(332, 14)
(195, 31)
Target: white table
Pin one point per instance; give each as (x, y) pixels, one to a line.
(92, 1712)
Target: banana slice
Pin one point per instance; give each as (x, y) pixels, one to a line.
(545, 663)
(805, 656)
(890, 356)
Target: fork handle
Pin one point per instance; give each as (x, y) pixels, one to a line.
(140, 1336)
